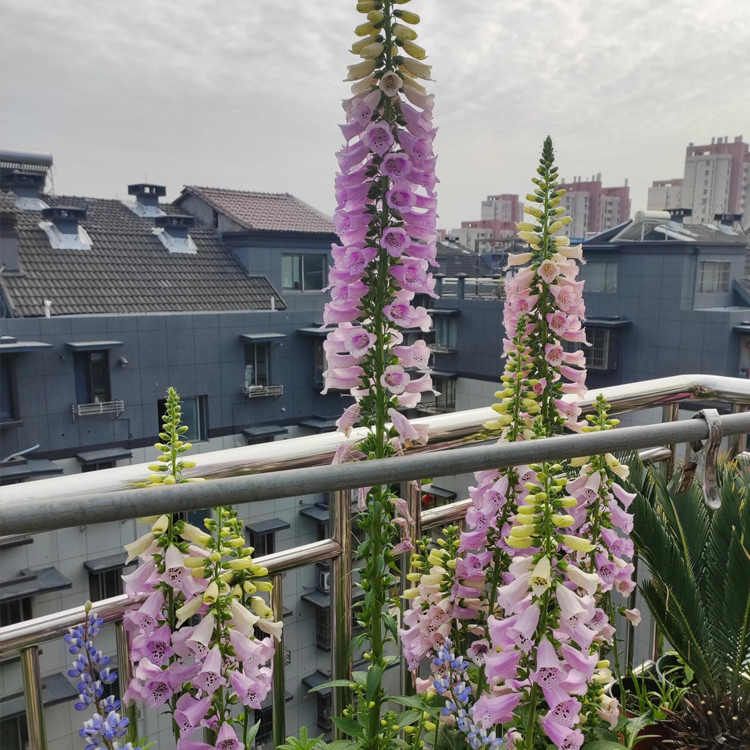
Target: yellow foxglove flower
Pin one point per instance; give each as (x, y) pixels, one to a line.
(577, 543)
(249, 587)
(365, 29)
(264, 586)
(211, 594)
(244, 563)
(139, 546)
(517, 543)
(540, 576)
(261, 608)
(271, 627)
(411, 82)
(376, 16)
(408, 17)
(533, 211)
(372, 51)
(360, 87)
(524, 226)
(580, 461)
(195, 535)
(410, 594)
(363, 69)
(161, 525)
(366, 7)
(415, 50)
(561, 240)
(404, 33)
(523, 531)
(243, 620)
(562, 521)
(417, 69)
(189, 608)
(518, 259)
(357, 47)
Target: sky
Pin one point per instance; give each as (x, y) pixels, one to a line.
(246, 94)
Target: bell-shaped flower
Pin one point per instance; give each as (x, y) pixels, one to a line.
(189, 608)
(137, 582)
(589, 582)
(155, 646)
(210, 679)
(566, 713)
(563, 737)
(242, 619)
(395, 240)
(251, 692)
(348, 419)
(139, 546)
(584, 663)
(523, 630)
(492, 710)
(502, 666)
(540, 576)
(200, 641)
(148, 616)
(395, 379)
(572, 610)
(174, 567)
(190, 712)
(227, 738)
(271, 627)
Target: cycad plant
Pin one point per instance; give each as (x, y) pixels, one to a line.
(699, 559)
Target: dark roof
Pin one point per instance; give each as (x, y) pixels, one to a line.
(128, 269)
(267, 212)
(671, 231)
(455, 258)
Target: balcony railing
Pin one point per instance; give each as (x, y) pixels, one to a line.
(259, 391)
(99, 407)
(301, 466)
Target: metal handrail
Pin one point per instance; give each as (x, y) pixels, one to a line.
(446, 431)
(256, 465)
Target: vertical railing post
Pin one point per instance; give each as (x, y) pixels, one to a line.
(670, 413)
(124, 676)
(341, 598)
(737, 443)
(279, 683)
(412, 493)
(32, 692)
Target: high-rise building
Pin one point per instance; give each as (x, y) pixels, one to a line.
(716, 181)
(594, 208)
(665, 194)
(499, 216)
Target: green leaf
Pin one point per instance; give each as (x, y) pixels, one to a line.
(348, 726)
(374, 676)
(332, 683)
(391, 625)
(407, 718)
(413, 702)
(602, 745)
(359, 677)
(341, 745)
(251, 734)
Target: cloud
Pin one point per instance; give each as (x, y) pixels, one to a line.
(247, 94)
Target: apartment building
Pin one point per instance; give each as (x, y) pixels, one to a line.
(594, 208)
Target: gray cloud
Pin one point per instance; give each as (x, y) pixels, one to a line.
(246, 93)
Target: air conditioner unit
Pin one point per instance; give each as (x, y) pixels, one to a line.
(324, 580)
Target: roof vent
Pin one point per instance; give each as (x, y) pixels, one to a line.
(173, 231)
(9, 240)
(146, 198)
(680, 214)
(26, 187)
(62, 225)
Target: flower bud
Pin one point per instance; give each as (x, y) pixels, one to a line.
(161, 525)
(415, 50)
(407, 16)
(404, 33)
(211, 594)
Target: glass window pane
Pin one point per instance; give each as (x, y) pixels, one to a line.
(99, 377)
(262, 376)
(7, 407)
(291, 272)
(190, 417)
(315, 269)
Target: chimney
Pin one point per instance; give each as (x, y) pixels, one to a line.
(678, 215)
(147, 198)
(63, 227)
(173, 231)
(727, 220)
(713, 140)
(9, 239)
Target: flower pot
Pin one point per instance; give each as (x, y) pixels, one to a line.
(661, 731)
(665, 666)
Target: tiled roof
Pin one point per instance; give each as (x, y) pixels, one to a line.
(128, 269)
(268, 212)
(454, 258)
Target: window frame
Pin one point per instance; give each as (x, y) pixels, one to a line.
(201, 411)
(98, 466)
(609, 285)
(324, 711)
(26, 608)
(266, 547)
(445, 386)
(446, 333)
(721, 276)
(98, 584)
(320, 363)
(323, 628)
(84, 376)
(299, 260)
(21, 730)
(608, 360)
(251, 360)
(265, 730)
(10, 377)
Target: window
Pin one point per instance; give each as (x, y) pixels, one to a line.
(446, 387)
(8, 402)
(257, 364)
(600, 275)
(324, 711)
(323, 628)
(445, 334)
(714, 275)
(260, 440)
(14, 734)
(264, 737)
(320, 364)
(304, 273)
(264, 544)
(105, 585)
(99, 465)
(602, 354)
(92, 377)
(194, 415)
(18, 610)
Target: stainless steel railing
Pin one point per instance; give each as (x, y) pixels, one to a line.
(232, 472)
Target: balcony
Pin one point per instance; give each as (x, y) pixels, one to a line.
(261, 391)
(99, 407)
(458, 445)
